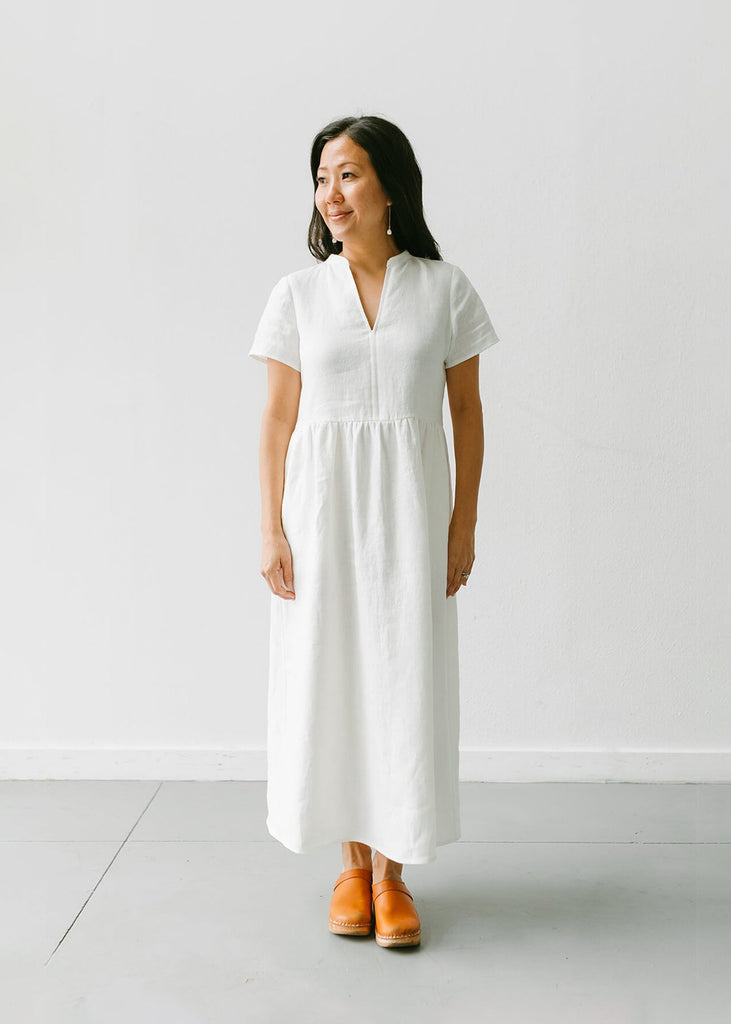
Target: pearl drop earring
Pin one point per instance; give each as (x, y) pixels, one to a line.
(388, 229)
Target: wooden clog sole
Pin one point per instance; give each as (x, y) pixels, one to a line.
(399, 940)
(350, 929)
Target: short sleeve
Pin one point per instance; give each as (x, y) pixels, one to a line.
(277, 335)
(472, 330)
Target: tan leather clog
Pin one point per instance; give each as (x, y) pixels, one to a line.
(397, 922)
(351, 909)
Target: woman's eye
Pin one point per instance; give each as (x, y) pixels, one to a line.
(344, 173)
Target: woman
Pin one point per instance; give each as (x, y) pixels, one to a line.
(362, 549)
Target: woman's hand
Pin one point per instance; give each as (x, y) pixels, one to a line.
(276, 565)
(460, 555)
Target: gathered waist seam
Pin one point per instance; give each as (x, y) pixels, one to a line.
(370, 419)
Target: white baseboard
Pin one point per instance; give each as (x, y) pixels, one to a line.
(476, 765)
(595, 765)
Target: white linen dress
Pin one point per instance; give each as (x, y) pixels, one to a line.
(363, 697)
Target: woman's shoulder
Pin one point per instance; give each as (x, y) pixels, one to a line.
(437, 274)
(301, 277)
(436, 267)
(452, 272)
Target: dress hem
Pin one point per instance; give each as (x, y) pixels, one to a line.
(305, 848)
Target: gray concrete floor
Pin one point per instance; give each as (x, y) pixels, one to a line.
(170, 903)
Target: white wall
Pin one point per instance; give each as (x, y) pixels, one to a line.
(155, 185)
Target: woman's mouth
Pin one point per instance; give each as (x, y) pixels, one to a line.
(339, 216)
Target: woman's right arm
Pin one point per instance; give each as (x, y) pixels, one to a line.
(277, 423)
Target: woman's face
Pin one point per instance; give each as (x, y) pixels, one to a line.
(349, 195)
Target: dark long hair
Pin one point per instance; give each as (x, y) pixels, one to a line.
(399, 173)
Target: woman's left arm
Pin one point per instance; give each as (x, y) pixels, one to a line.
(465, 406)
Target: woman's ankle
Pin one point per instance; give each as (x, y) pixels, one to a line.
(384, 868)
(356, 855)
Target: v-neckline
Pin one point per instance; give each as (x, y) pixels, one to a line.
(346, 265)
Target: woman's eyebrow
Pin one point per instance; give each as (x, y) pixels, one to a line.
(341, 164)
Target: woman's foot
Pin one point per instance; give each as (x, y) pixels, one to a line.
(397, 920)
(351, 904)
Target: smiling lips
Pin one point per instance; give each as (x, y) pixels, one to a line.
(339, 216)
